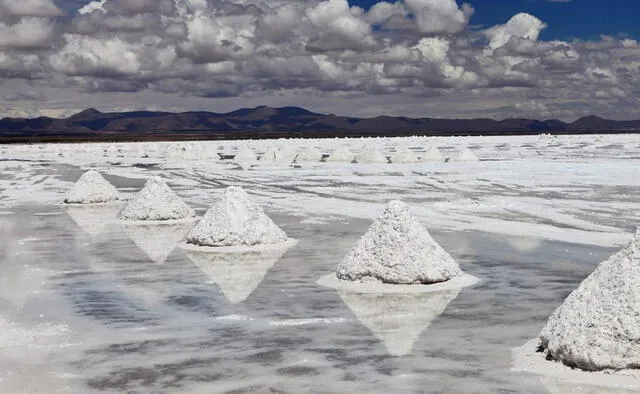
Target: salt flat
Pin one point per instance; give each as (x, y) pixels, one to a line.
(83, 308)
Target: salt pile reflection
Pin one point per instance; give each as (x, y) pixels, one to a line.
(237, 274)
(398, 319)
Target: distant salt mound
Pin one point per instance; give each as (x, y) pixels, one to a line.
(397, 249)
(370, 155)
(156, 202)
(92, 188)
(341, 155)
(597, 327)
(237, 221)
(270, 156)
(404, 155)
(309, 155)
(466, 155)
(432, 155)
(245, 154)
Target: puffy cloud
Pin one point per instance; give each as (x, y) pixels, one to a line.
(38, 8)
(27, 33)
(337, 28)
(523, 26)
(439, 16)
(87, 56)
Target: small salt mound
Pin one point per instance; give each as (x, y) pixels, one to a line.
(271, 155)
(598, 326)
(370, 155)
(432, 155)
(309, 155)
(156, 201)
(466, 155)
(245, 154)
(235, 220)
(404, 155)
(397, 249)
(341, 155)
(92, 188)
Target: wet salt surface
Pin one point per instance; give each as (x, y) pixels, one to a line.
(134, 325)
(87, 306)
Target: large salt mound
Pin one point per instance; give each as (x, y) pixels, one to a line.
(309, 155)
(397, 249)
(433, 155)
(598, 326)
(235, 220)
(270, 156)
(404, 155)
(156, 201)
(370, 155)
(466, 155)
(341, 155)
(92, 188)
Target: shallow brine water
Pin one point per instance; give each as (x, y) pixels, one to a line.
(89, 305)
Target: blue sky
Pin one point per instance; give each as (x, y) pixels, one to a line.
(584, 19)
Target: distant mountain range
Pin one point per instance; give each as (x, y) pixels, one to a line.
(265, 122)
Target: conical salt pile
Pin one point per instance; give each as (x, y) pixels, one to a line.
(156, 201)
(432, 155)
(235, 220)
(397, 250)
(398, 319)
(404, 155)
(598, 326)
(341, 155)
(245, 154)
(466, 155)
(309, 155)
(92, 188)
(370, 155)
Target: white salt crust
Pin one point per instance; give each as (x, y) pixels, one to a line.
(432, 155)
(466, 155)
(526, 358)
(156, 202)
(341, 155)
(461, 281)
(245, 154)
(370, 154)
(235, 220)
(404, 155)
(597, 327)
(397, 249)
(92, 188)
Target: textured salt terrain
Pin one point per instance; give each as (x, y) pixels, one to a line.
(90, 311)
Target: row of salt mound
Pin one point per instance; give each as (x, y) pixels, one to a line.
(344, 155)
